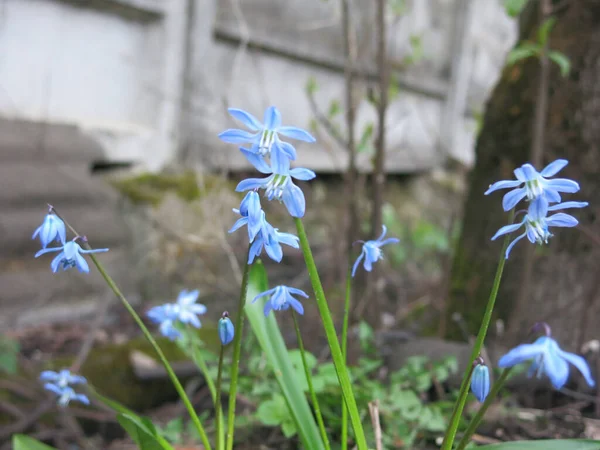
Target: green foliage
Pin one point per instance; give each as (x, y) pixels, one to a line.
(150, 188)
(311, 86)
(561, 60)
(334, 109)
(22, 442)
(514, 7)
(143, 432)
(545, 29)
(9, 351)
(417, 54)
(522, 51)
(275, 412)
(365, 144)
(398, 7)
(555, 444)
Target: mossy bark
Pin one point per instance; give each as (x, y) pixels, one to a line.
(564, 289)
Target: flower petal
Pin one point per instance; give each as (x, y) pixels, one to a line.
(251, 183)
(288, 239)
(562, 220)
(274, 250)
(580, 363)
(512, 244)
(234, 136)
(357, 262)
(552, 195)
(538, 208)
(296, 133)
(285, 147)
(567, 205)
(272, 118)
(257, 161)
(389, 241)
(246, 118)
(280, 162)
(520, 354)
(556, 368)
(300, 173)
(47, 250)
(48, 375)
(554, 167)
(238, 224)
(504, 184)
(267, 293)
(383, 231)
(507, 229)
(296, 305)
(513, 197)
(563, 185)
(529, 172)
(294, 201)
(82, 264)
(296, 291)
(54, 265)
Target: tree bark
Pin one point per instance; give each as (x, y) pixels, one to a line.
(565, 272)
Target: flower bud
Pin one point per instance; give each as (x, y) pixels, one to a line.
(480, 382)
(226, 331)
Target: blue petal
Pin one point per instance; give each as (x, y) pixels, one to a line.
(504, 184)
(246, 118)
(268, 308)
(48, 375)
(302, 174)
(297, 292)
(255, 249)
(556, 368)
(520, 175)
(357, 262)
(563, 185)
(296, 305)
(239, 224)
(82, 398)
(554, 167)
(82, 264)
(36, 232)
(95, 250)
(285, 147)
(288, 239)
(296, 133)
(47, 250)
(274, 250)
(507, 229)
(235, 136)
(581, 365)
(538, 208)
(529, 172)
(561, 220)
(294, 201)
(272, 118)
(368, 264)
(53, 388)
(567, 205)
(250, 183)
(383, 232)
(513, 197)
(280, 162)
(389, 241)
(552, 195)
(54, 265)
(512, 244)
(520, 354)
(266, 293)
(257, 161)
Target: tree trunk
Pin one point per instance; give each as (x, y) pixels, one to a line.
(564, 284)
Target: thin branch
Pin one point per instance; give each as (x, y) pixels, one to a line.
(374, 412)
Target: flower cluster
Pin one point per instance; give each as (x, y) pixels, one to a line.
(183, 311)
(540, 192)
(60, 384)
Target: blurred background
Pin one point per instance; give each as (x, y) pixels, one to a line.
(110, 111)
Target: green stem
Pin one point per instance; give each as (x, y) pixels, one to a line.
(161, 356)
(313, 394)
(485, 323)
(482, 409)
(218, 406)
(345, 352)
(334, 345)
(237, 350)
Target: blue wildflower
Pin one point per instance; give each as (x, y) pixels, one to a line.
(66, 394)
(165, 316)
(537, 223)
(226, 330)
(250, 211)
(371, 251)
(279, 184)
(51, 228)
(547, 359)
(480, 380)
(185, 310)
(265, 136)
(271, 239)
(63, 378)
(281, 299)
(535, 184)
(69, 256)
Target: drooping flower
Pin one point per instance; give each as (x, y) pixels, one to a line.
(281, 299)
(480, 381)
(66, 394)
(548, 359)
(185, 310)
(69, 256)
(63, 378)
(371, 251)
(226, 330)
(533, 184)
(165, 316)
(250, 210)
(265, 136)
(537, 222)
(51, 228)
(279, 184)
(270, 239)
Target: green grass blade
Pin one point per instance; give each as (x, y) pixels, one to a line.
(272, 343)
(554, 444)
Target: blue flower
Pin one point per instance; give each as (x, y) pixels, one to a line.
(265, 137)
(66, 394)
(51, 228)
(63, 378)
(270, 239)
(537, 223)
(279, 184)
(480, 382)
(250, 211)
(533, 184)
(226, 330)
(69, 256)
(185, 310)
(165, 316)
(281, 299)
(547, 358)
(371, 251)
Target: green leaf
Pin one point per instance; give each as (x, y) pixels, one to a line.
(271, 341)
(365, 145)
(22, 442)
(557, 444)
(561, 60)
(514, 7)
(9, 350)
(143, 432)
(523, 51)
(273, 412)
(289, 428)
(365, 335)
(334, 109)
(545, 29)
(311, 86)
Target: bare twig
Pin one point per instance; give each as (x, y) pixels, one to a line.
(374, 412)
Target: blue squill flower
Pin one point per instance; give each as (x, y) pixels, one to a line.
(281, 299)
(66, 394)
(186, 308)
(51, 228)
(371, 251)
(226, 330)
(480, 381)
(165, 316)
(271, 239)
(63, 378)
(265, 136)
(547, 359)
(69, 256)
(279, 184)
(533, 184)
(250, 211)
(537, 222)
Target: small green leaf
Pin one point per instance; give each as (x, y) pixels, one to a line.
(334, 109)
(545, 29)
(143, 432)
(514, 7)
(365, 145)
(9, 351)
(558, 444)
(398, 7)
(523, 51)
(273, 412)
(22, 442)
(311, 86)
(289, 428)
(561, 60)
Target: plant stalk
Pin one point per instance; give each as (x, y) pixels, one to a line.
(219, 407)
(347, 299)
